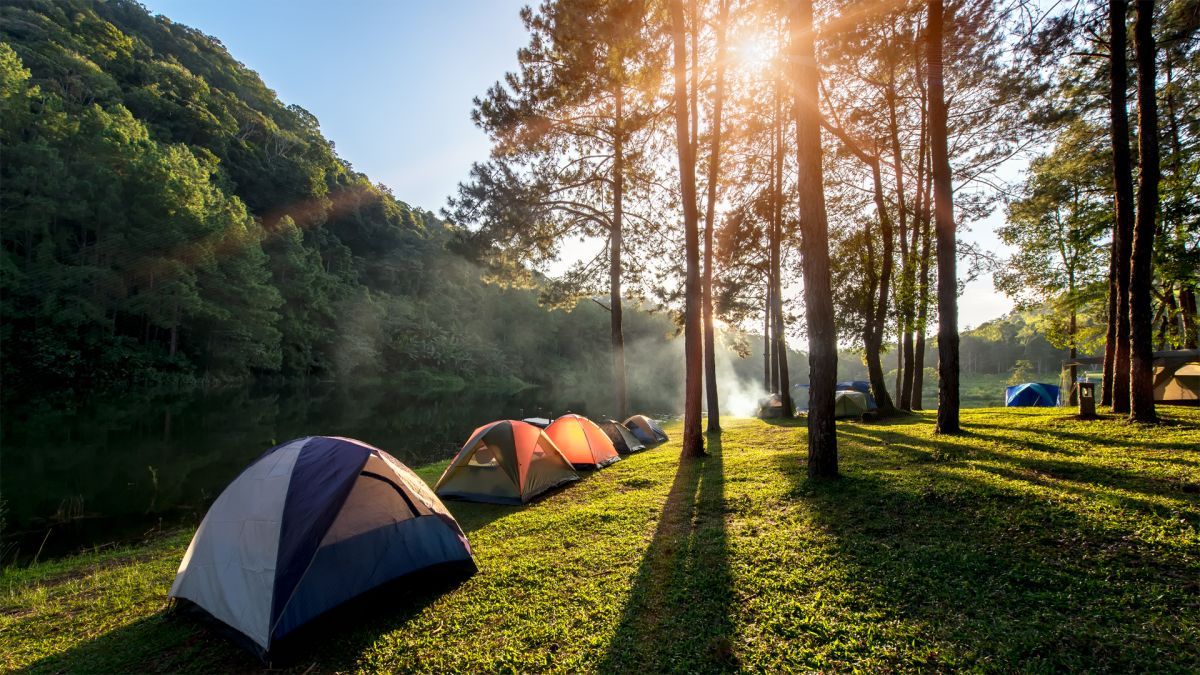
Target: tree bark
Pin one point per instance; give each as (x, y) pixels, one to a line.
(781, 364)
(767, 360)
(1123, 203)
(904, 301)
(878, 382)
(1141, 346)
(943, 209)
(1187, 311)
(814, 244)
(614, 261)
(923, 294)
(714, 174)
(693, 440)
(876, 311)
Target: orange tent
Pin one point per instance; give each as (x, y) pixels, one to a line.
(506, 462)
(582, 442)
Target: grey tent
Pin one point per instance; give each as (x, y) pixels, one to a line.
(645, 429)
(849, 403)
(623, 439)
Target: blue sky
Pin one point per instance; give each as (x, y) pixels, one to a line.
(391, 82)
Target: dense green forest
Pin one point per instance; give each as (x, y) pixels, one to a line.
(168, 220)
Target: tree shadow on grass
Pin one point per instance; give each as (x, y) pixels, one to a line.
(677, 617)
(982, 443)
(962, 573)
(173, 641)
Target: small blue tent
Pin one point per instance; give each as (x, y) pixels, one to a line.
(1031, 394)
(861, 386)
(311, 524)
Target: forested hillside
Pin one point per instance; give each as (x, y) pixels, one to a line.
(168, 219)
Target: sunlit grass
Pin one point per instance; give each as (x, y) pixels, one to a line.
(1032, 542)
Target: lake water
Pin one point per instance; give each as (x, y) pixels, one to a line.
(117, 469)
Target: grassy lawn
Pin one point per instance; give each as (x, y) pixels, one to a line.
(1031, 543)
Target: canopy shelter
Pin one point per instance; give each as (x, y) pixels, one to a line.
(309, 525)
(647, 430)
(505, 462)
(1176, 374)
(1031, 394)
(849, 403)
(622, 439)
(582, 442)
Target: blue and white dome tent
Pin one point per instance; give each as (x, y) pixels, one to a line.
(311, 524)
(1031, 394)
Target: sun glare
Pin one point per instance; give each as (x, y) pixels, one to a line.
(755, 51)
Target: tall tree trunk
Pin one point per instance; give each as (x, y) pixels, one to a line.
(1074, 352)
(714, 175)
(781, 364)
(1167, 309)
(873, 351)
(768, 362)
(923, 293)
(814, 245)
(1141, 347)
(1123, 196)
(876, 311)
(899, 359)
(1187, 311)
(773, 260)
(614, 261)
(943, 213)
(693, 439)
(904, 300)
(1110, 335)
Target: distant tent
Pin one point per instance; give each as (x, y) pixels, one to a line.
(1178, 382)
(1031, 394)
(1176, 374)
(860, 386)
(309, 525)
(647, 430)
(622, 439)
(537, 421)
(582, 442)
(849, 403)
(507, 462)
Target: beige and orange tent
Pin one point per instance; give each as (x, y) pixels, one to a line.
(506, 462)
(583, 443)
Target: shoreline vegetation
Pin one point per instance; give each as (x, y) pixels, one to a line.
(1029, 542)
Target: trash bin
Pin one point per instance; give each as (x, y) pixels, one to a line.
(1086, 392)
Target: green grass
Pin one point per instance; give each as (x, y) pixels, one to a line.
(1032, 543)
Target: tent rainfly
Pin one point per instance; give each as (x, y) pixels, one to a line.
(1031, 394)
(311, 524)
(860, 386)
(505, 462)
(849, 403)
(647, 430)
(622, 439)
(582, 442)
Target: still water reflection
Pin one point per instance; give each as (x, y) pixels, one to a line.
(116, 469)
